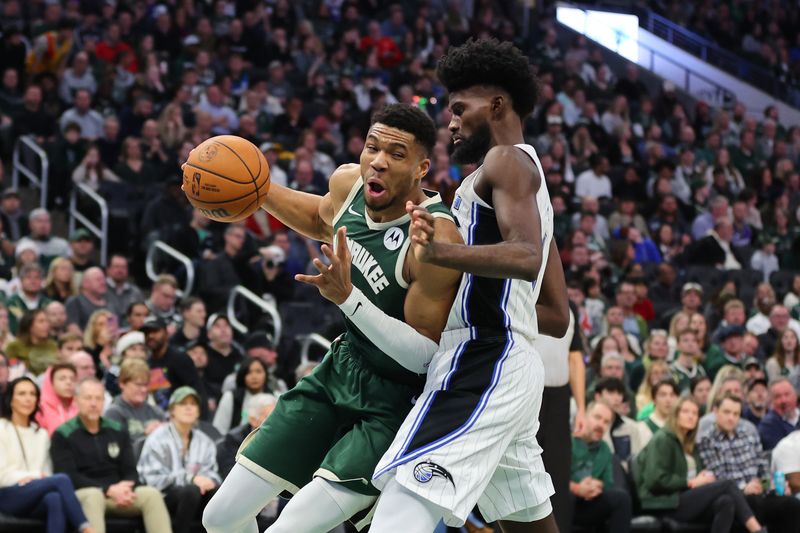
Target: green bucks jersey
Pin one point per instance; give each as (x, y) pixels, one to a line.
(378, 252)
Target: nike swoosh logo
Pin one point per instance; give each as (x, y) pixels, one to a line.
(350, 210)
(413, 400)
(358, 306)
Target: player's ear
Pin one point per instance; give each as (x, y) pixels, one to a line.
(498, 105)
(424, 167)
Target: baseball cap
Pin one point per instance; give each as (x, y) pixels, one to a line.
(11, 192)
(692, 286)
(751, 361)
(259, 339)
(732, 331)
(181, 393)
(152, 323)
(80, 234)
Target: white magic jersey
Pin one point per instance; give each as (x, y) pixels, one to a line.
(495, 304)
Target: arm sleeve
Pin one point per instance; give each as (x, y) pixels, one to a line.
(393, 337)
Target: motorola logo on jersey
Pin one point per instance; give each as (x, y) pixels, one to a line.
(426, 471)
(393, 238)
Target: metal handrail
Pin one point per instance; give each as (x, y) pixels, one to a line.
(18, 167)
(621, 37)
(175, 254)
(310, 340)
(75, 215)
(711, 52)
(268, 307)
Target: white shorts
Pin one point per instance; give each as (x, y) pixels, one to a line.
(471, 436)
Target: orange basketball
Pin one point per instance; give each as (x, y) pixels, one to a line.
(226, 178)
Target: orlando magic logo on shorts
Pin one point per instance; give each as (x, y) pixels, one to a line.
(426, 471)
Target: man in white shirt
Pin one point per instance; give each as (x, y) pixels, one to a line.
(786, 459)
(594, 181)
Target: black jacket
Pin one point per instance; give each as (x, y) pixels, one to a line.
(93, 459)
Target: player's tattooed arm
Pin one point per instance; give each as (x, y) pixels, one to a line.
(310, 214)
(513, 195)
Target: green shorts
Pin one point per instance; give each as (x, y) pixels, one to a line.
(335, 424)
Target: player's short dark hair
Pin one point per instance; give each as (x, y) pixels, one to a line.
(490, 62)
(410, 119)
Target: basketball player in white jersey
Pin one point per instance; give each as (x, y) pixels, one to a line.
(471, 436)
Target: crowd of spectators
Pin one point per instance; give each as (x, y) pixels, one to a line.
(677, 225)
(762, 31)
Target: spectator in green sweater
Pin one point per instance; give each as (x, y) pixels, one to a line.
(597, 500)
(671, 481)
(685, 367)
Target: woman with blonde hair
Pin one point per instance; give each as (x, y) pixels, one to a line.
(99, 337)
(5, 331)
(60, 283)
(171, 129)
(657, 371)
(726, 373)
(680, 321)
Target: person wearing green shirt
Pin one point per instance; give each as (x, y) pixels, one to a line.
(729, 350)
(685, 368)
(671, 481)
(33, 346)
(597, 500)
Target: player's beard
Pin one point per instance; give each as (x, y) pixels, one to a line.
(473, 148)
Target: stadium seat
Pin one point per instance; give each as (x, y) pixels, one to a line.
(781, 281)
(708, 277)
(13, 524)
(747, 280)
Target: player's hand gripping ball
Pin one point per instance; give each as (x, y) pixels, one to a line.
(226, 178)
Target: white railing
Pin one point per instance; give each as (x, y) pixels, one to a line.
(76, 216)
(268, 307)
(19, 166)
(162, 247)
(307, 341)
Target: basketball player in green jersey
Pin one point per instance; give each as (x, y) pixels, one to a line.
(326, 435)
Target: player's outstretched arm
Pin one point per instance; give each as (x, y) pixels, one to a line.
(519, 255)
(411, 343)
(310, 214)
